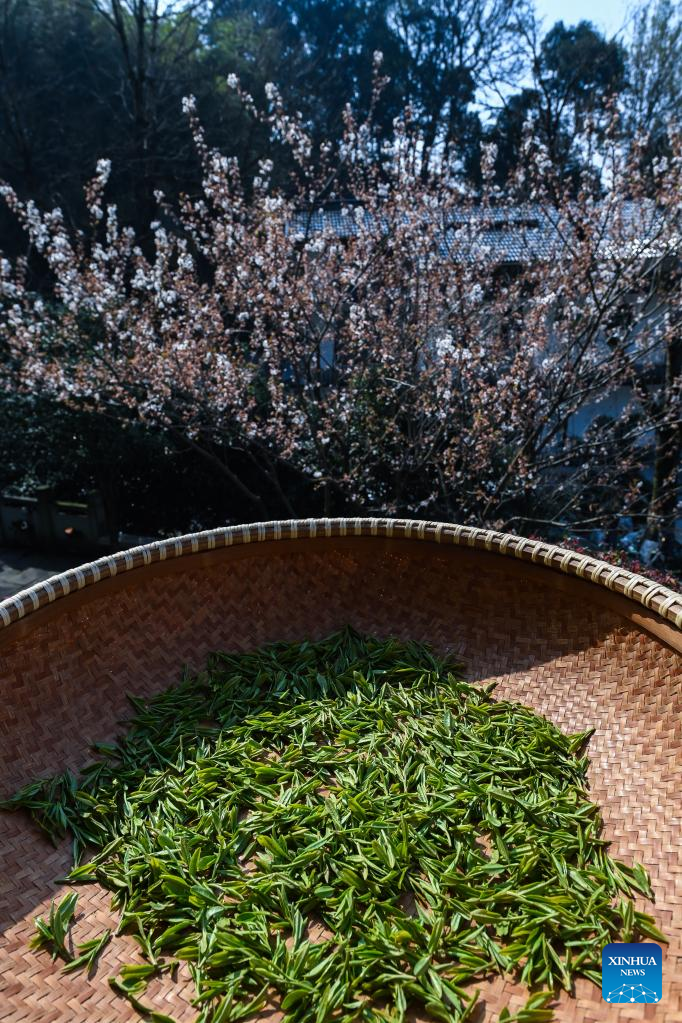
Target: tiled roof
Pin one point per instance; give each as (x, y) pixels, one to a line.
(505, 234)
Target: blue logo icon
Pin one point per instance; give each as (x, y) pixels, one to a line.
(631, 973)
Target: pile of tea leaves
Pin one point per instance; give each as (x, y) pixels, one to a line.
(349, 829)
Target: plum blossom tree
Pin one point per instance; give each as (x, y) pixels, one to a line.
(375, 336)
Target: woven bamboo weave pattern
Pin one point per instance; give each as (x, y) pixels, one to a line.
(660, 599)
(570, 658)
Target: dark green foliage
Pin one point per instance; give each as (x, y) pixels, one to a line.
(576, 72)
(76, 88)
(580, 64)
(150, 484)
(434, 836)
(78, 84)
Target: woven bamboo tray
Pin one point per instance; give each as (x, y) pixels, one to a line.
(584, 643)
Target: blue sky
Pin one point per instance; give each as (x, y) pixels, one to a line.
(608, 15)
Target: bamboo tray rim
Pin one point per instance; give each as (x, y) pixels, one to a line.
(639, 590)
